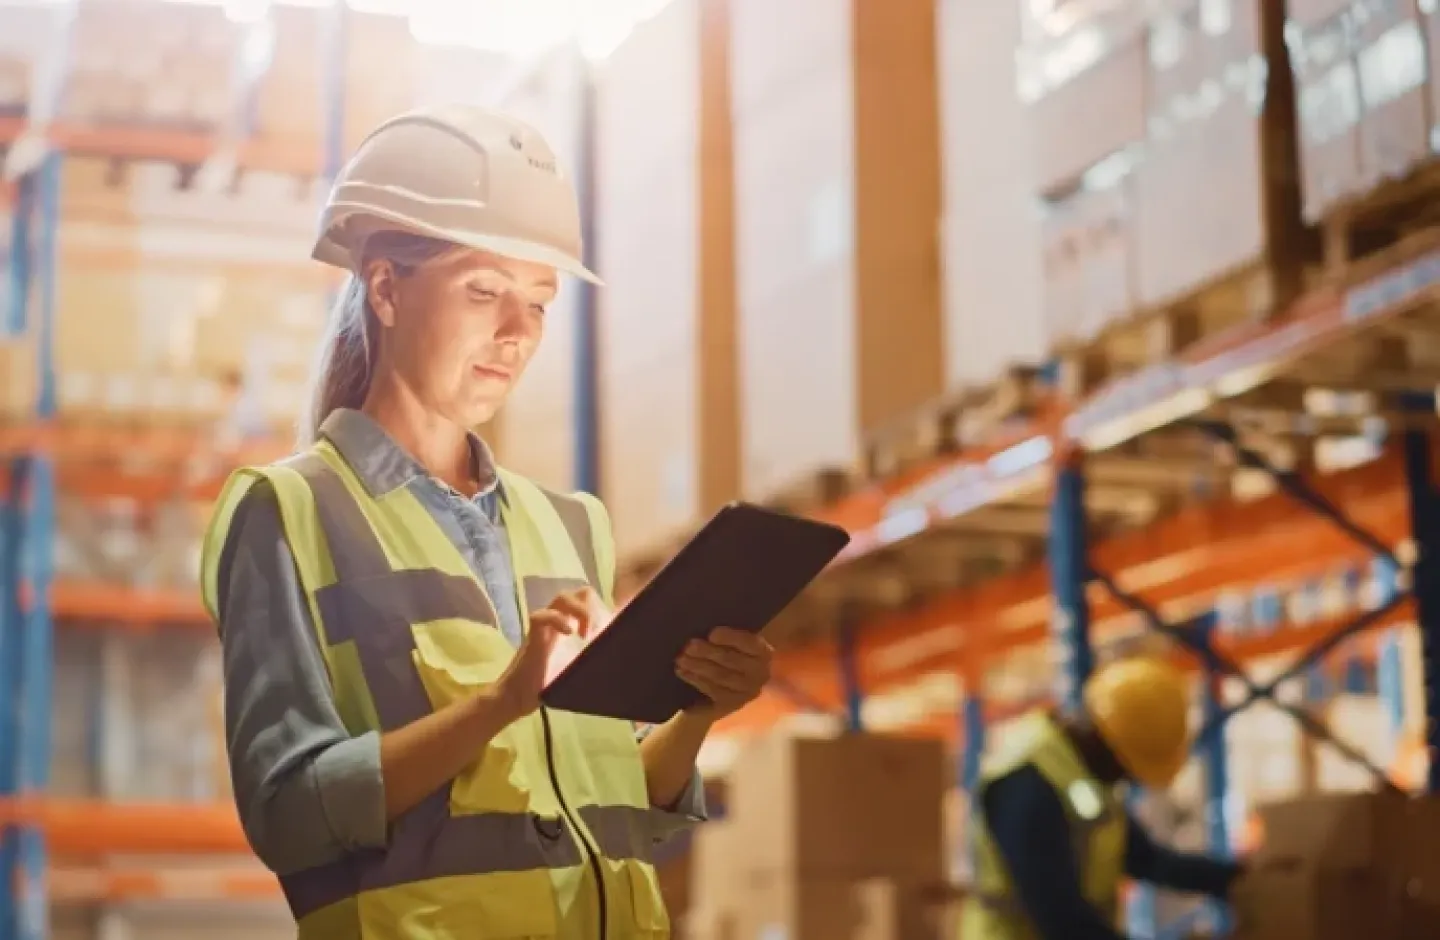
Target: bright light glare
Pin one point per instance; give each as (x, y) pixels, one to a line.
(524, 28)
(519, 28)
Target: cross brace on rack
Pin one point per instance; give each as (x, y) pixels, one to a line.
(1071, 573)
(848, 663)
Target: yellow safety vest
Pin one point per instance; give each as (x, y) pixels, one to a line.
(1097, 832)
(548, 833)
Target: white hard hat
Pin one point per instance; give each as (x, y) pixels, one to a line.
(461, 174)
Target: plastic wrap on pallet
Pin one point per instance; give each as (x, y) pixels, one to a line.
(991, 235)
(371, 38)
(288, 102)
(650, 113)
(25, 30)
(18, 376)
(1218, 150)
(1392, 68)
(838, 277)
(1327, 88)
(73, 758)
(176, 68)
(1089, 259)
(170, 684)
(1085, 82)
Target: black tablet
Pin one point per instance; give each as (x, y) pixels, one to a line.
(744, 567)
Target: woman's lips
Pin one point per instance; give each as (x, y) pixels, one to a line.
(498, 373)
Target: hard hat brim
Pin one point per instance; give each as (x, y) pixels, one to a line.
(332, 251)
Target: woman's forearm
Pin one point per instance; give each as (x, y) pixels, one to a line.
(428, 753)
(669, 754)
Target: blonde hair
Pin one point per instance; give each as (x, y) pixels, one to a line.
(346, 363)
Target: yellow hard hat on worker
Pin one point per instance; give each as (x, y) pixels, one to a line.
(1141, 709)
(458, 173)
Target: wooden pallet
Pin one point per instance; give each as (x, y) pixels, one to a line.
(1373, 224)
(815, 490)
(1159, 334)
(969, 418)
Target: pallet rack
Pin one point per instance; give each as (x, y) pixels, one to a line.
(1391, 525)
(1034, 482)
(44, 455)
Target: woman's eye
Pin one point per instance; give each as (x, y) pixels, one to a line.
(480, 293)
(538, 309)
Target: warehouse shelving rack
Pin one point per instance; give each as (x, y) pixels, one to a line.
(44, 454)
(1389, 503)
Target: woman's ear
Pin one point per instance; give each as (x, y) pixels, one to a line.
(380, 284)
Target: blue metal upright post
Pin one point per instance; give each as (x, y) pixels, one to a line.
(587, 384)
(1069, 575)
(37, 551)
(972, 755)
(15, 319)
(849, 662)
(1213, 761)
(1425, 584)
(9, 683)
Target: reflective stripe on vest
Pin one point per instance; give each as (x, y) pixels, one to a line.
(1097, 826)
(385, 601)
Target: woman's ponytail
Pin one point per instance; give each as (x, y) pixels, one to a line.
(346, 364)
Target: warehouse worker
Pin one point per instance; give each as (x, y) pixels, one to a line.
(388, 598)
(1052, 837)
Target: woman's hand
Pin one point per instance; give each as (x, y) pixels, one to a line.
(730, 667)
(520, 686)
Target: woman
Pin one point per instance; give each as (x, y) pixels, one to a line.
(388, 598)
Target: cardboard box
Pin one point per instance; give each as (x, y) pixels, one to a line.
(1294, 901)
(838, 202)
(1326, 855)
(1335, 830)
(667, 372)
(853, 807)
(833, 909)
(674, 873)
(715, 874)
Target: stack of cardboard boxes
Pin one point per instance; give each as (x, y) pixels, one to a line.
(840, 839)
(1339, 866)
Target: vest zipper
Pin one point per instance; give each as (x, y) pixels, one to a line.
(592, 854)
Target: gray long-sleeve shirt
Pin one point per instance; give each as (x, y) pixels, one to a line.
(308, 792)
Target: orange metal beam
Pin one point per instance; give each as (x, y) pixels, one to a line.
(142, 447)
(92, 482)
(84, 828)
(302, 158)
(1200, 551)
(93, 885)
(1295, 640)
(300, 272)
(123, 607)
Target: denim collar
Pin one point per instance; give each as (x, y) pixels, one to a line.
(383, 466)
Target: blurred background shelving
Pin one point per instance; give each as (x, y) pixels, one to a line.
(1029, 296)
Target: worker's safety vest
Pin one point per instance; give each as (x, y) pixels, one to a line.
(1096, 836)
(548, 833)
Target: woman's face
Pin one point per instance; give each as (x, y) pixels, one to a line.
(461, 328)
